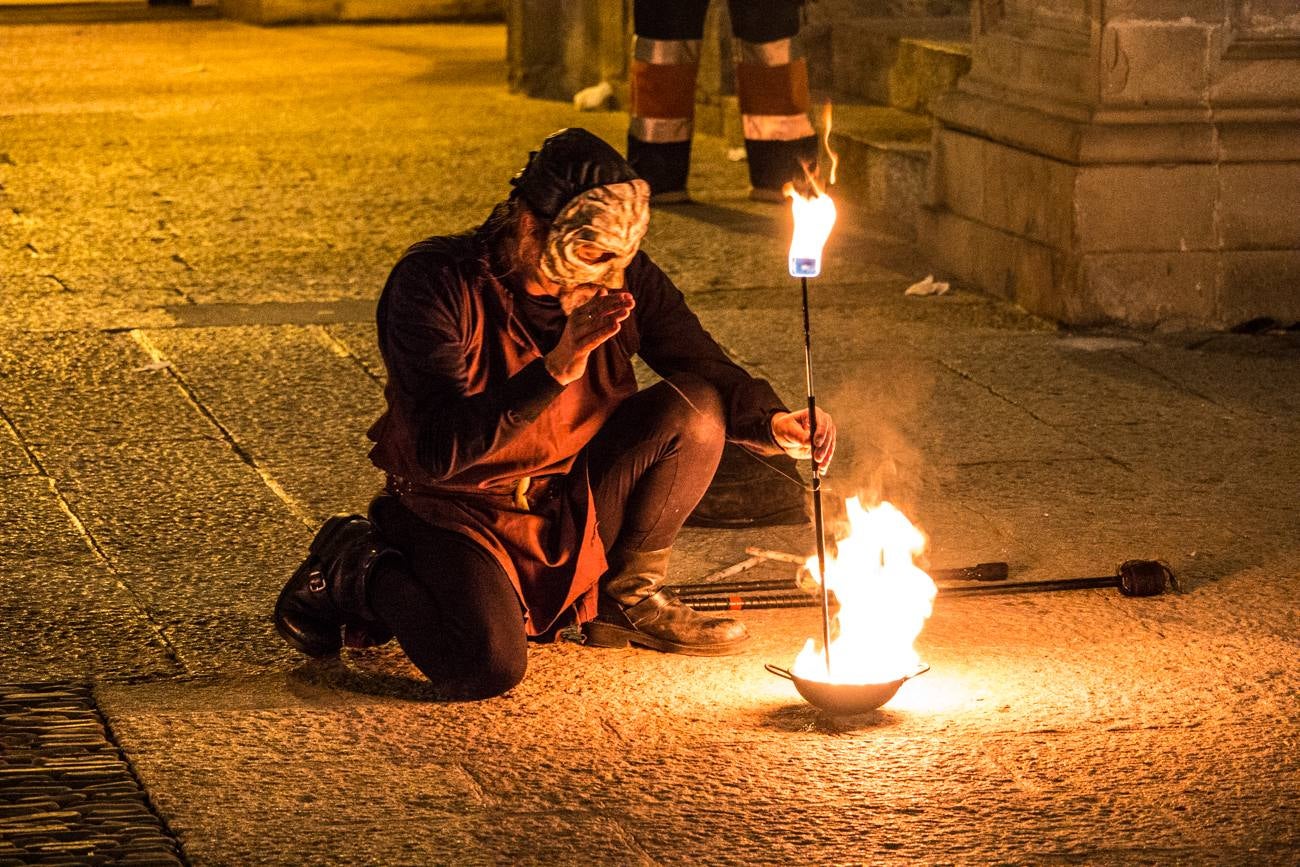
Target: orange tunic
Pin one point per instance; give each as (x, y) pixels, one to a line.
(472, 410)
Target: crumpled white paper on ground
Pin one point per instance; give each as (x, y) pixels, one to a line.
(593, 98)
(928, 286)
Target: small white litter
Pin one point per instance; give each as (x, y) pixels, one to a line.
(736, 155)
(928, 286)
(153, 367)
(593, 98)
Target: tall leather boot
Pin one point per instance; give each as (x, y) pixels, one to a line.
(636, 607)
(326, 596)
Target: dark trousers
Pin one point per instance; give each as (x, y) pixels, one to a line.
(771, 90)
(448, 602)
(752, 20)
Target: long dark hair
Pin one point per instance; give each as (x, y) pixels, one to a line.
(500, 232)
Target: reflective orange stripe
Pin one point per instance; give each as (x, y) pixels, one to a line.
(666, 50)
(663, 90)
(773, 90)
(776, 127)
(660, 130)
(778, 52)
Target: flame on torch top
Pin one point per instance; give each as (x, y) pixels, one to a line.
(826, 140)
(814, 215)
(813, 219)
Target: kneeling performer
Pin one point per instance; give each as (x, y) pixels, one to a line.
(531, 486)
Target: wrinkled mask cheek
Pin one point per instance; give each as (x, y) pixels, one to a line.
(561, 265)
(613, 218)
(553, 266)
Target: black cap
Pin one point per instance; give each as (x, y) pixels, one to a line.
(569, 162)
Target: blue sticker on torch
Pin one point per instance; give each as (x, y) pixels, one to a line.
(801, 267)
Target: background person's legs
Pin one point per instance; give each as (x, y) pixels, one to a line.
(450, 605)
(665, 60)
(772, 84)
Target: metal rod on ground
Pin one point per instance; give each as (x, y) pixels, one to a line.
(995, 571)
(722, 588)
(1136, 578)
(752, 603)
(979, 572)
(1034, 586)
(816, 480)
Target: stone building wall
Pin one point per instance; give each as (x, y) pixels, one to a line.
(558, 47)
(1134, 161)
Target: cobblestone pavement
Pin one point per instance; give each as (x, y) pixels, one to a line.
(195, 220)
(67, 796)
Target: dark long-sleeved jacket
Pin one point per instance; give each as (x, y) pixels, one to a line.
(472, 409)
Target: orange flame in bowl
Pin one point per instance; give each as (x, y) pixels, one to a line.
(883, 599)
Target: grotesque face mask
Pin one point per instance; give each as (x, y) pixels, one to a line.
(593, 239)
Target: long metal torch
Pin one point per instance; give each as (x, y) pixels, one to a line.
(813, 219)
(818, 524)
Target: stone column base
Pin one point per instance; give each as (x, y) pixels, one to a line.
(1158, 221)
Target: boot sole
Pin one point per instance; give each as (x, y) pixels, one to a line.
(610, 635)
(296, 642)
(296, 639)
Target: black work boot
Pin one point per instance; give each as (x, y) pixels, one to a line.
(326, 595)
(636, 607)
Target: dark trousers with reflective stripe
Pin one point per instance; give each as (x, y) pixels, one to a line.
(771, 82)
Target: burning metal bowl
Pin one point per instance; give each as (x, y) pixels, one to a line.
(844, 699)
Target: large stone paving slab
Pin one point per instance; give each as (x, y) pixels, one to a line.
(196, 534)
(35, 529)
(293, 400)
(78, 623)
(924, 415)
(184, 500)
(14, 459)
(1067, 516)
(1068, 381)
(189, 529)
(1251, 375)
(88, 387)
